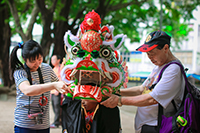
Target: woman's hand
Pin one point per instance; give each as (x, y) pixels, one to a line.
(112, 101)
(62, 87)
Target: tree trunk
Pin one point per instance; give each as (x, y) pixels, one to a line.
(46, 38)
(5, 35)
(60, 29)
(47, 19)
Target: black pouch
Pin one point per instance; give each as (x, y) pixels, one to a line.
(149, 129)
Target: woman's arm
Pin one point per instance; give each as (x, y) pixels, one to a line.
(33, 90)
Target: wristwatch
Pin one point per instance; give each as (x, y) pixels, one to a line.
(119, 102)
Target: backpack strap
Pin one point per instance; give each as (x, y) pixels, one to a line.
(160, 108)
(182, 71)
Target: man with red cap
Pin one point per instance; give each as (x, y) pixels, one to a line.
(168, 92)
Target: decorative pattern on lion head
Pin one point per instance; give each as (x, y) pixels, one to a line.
(96, 64)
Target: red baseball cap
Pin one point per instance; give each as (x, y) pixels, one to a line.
(154, 39)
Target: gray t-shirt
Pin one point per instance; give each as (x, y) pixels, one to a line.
(171, 86)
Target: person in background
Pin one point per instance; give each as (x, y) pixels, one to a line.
(152, 93)
(55, 95)
(34, 80)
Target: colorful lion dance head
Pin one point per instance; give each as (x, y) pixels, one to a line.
(96, 65)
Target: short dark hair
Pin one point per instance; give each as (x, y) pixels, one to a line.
(161, 46)
(58, 57)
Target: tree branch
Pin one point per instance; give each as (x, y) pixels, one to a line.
(78, 16)
(34, 14)
(18, 26)
(41, 6)
(27, 6)
(53, 7)
(66, 9)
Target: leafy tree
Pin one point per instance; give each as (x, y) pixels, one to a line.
(176, 16)
(58, 16)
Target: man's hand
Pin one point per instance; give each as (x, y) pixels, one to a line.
(112, 101)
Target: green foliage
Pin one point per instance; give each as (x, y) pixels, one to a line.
(125, 22)
(131, 19)
(171, 23)
(59, 7)
(38, 19)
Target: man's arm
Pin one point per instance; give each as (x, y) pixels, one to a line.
(140, 100)
(132, 91)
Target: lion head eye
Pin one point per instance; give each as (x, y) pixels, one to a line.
(105, 52)
(75, 50)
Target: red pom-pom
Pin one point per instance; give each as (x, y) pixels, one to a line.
(91, 21)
